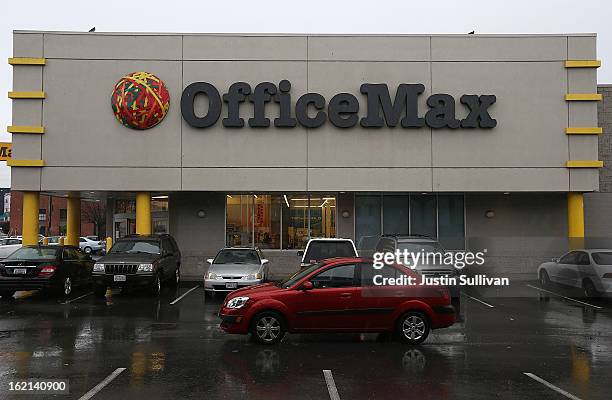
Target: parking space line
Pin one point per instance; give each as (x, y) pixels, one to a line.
(184, 294)
(478, 300)
(78, 298)
(551, 386)
(102, 384)
(331, 385)
(566, 298)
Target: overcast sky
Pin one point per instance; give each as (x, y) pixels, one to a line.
(305, 16)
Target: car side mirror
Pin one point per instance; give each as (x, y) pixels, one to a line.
(307, 286)
(264, 261)
(300, 253)
(210, 260)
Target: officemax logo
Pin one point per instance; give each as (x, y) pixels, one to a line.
(312, 110)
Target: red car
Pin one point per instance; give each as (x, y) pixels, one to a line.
(339, 295)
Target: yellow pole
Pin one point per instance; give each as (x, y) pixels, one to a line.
(575, 220)
(60, 241)
(31, 203)
(143, 213)
(73, 221)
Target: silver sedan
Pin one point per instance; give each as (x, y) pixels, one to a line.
(234, 268)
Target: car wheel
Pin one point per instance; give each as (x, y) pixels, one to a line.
(177, 277)
(65, 287)
(268, 328)
(589, 289)
(413, 327)
(544, 279)
(155, 288)
(87, 250)
(99, 290)
(7, 294)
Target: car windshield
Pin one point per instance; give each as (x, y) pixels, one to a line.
(33, 253)
(602, 258)
(232, 256)
(293, 279)
(135, 246)
(416, 247)
(322, 249)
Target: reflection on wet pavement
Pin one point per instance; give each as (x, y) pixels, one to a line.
(177, 351)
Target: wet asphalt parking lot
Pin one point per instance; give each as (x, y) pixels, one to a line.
(511, 343)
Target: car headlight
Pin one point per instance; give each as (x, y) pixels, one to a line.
(212, 275)
(237, 302)
(98, 268)
(145, 268)
(253, 277)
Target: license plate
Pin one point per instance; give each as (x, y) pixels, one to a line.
(231, 285)
(119, 278)
(20, 271)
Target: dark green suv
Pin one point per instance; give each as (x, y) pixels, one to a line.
(139, 261)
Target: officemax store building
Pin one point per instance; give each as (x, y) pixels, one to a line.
(483, 141)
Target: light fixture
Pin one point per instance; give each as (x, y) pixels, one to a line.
(506, 192)
(159, 197)
(229, 196)
(201, 213)
(489, 213)
(346, 214)
(286, 201)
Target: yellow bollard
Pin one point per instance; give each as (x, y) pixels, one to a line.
(60, 241)
(109, 243)
(109, 292)
(45, 241)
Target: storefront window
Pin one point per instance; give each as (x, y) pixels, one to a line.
(451, 224)
(367, 216)
(125, 206)
(239, 220)
(267, 221)
(423, 215)
(159, 203)
(295, 220)
(323, 216)
(395, 215)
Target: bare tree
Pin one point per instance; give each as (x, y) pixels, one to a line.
(95, 212)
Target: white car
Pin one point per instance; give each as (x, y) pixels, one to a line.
(91, 246)
(234, 268)
(587, 269)
(9, 245)
(318, 249)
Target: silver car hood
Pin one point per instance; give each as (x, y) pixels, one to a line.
(234, 269)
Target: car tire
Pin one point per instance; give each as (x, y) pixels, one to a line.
(155, 288)
(64, 289)
(87, 250)
(7, 295)
(99, 290)
(544, 279)
(589, 289)
(413, 327)
(268, 328)
(176, 280)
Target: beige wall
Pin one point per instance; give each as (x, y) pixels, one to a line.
(84, 148)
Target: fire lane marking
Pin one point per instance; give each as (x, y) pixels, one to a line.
(551, 386)
(478, 300)
(78, 298)
(566, 298)
(184, 294)
(331, 385)
(102, 384)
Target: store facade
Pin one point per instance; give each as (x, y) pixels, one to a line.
(267, 140)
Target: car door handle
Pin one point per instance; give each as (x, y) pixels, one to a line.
(345, 295)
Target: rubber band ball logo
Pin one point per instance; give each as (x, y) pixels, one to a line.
(140, 100)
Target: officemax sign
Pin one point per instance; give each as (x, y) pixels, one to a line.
(312, 109)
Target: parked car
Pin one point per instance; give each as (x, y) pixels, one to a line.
(235, 267)
(338, 295)
(139, 261)
(318, 249)
(9, 245)
(57, 269)
(91, 246)
(587, 269)
(416, 244)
